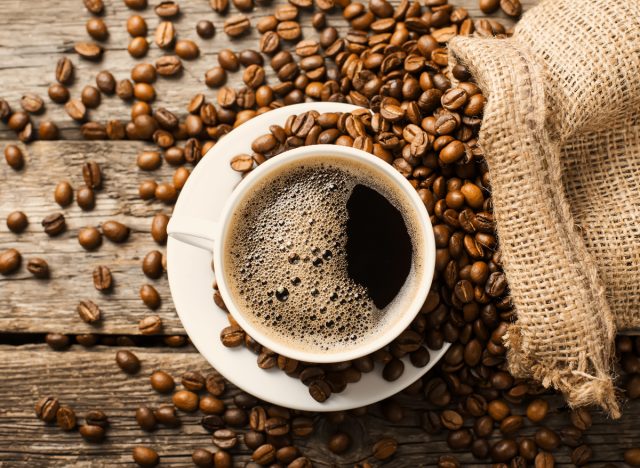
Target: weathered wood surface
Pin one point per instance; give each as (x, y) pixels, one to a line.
(31, 305)
(33, 36)
(89, 379)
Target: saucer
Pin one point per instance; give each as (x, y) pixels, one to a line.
(190, 280)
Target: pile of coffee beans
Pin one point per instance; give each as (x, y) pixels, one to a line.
(49, 410)
(423, 116)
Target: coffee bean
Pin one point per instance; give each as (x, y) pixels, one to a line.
(581, 419)
(511, 424)
(236, 25)
(452, 420)
(58, 93)
(145, 456)
(235, 417)
(393, 370)
(632, 456)
(215, 384)
(38, 267)
(138, 47)
(88, 311)
(166, 193)
(504, 450)
(511, 8)
(94, 6)
(136, 4)
(385, 448)
(115, 231)
(212, 423)
(145, 418)
(102, 279)
(85, 197)
(150, 325)
(66, 418)
(89, 238)
(459, 439)
(97, 418)
(187, 49)
(215, 77)
(162, 382)
(136, 26)
(165, 34)
(57, 341)
(185, 400)
(88, 50)
(97, 29)
(32, 103)
(225, 439)
(264, 455)
(547, 439)
(17, 221)
(128, 362)
(47, 408)
(202, 457)
(193, 381)
(205, 29)
(54, 224)
(166, 414)
(159, 228)
(64, 71)
(211, 405)
(92, 434)
(581, 455)
(219, 6)
(339, 443)
(232, 336)
(319, 390)
(253, 76)
(167, 9)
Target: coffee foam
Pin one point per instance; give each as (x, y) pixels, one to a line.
(286, 261)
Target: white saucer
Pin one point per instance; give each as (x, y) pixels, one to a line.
(190, 280)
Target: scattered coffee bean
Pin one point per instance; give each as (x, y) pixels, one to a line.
(205, 29)
(14, 157)
(47, 408)
(17, 221)
(66, 418)
(128, 362)
(54, 224)
(92, 434)
(88, 311)
(38, 267)
(97, 29)
(150, 325)
(225, 439)
(145, 456)
(57, 341)
(89, 238)
(339, 442)
(385, 448)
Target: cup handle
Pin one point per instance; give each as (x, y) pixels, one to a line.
(193, 231)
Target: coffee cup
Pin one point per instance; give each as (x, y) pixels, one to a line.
(397, 316)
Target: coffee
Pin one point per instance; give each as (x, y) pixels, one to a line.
(324, 255)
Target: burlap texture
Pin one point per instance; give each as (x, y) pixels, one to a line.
(561, 134)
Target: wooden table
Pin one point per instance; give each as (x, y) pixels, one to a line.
(33, 35)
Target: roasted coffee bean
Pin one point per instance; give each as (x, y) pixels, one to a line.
(211, 405)
(138, 47)
(88, 50)
(145, 456)
(235, 417)
(64, 71)
(38, 267)
(58, 93)
(17, 221)
(85, 197)
(511, 8)
(57, 341)
(14, 157)
(54, 224)
(339, 443)
(319, 390)
(632, 456)
(236, 25)
(147, 189)
(47, 408)
(185, 400)
(92, 174)
(459, 439)
(385, 448)
(150, 325)
(511, 424)
(90, 97)
(451, 420)
(202, 457)
(88, 311)
(97, 29)
(186, 49)
(149, 160)
(504, 450)
(128, 362)
(165, 34)
(66, 418)
(264, 455)
(212, 423)
(136, 26)
(63, 194)
(75, 109)
(115, 231)
(205, 29)
(143, 73)
(94, 6)
(215, 384)
(393, 370)
(547, 439)
(225, 439)
(92, 434)
(32, 103)
(215, 77)
(159, 228)
(145, 418)
(166, 414)
(167, 9)
(581, 419)
(166, 193)
(192, 380)
(232, 336)
(168, 65)
(136, 4)
(162, 382)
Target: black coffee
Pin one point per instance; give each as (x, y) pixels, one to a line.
(322, 256)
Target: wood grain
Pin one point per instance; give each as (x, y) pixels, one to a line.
(89, 379)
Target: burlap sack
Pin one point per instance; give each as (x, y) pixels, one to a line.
(561, 134)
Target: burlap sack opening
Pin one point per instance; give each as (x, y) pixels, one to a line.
(561, 135)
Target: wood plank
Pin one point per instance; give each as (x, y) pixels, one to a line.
(31, 44)
(89, 379)
(31, 305)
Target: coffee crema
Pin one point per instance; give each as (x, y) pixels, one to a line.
(323, 256)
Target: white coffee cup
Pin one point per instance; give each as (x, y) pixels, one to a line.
(210, 236)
